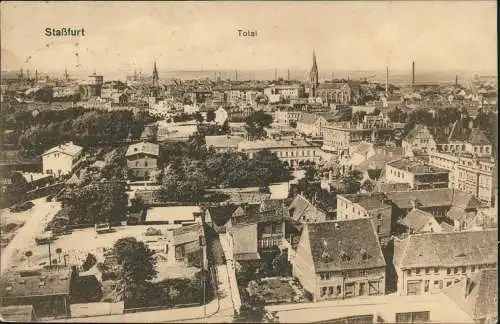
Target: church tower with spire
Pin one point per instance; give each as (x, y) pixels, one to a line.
(155, 75)
(313, 76)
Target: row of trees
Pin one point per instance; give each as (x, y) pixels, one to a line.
(37, 133)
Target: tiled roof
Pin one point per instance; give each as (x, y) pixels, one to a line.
(271, 204)
(35, 283)
(67, 148)
(369, 201)
(477, 295)
(416, 219)
(380, 159)
(143, 147)
(247, 197)
(427, 198)
(301, 207)
(374, 174)
(223, 141)
(269, 144)
(345, 245)
(477, 137)
(447, 249)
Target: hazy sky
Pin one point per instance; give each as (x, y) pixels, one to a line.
(446, 35)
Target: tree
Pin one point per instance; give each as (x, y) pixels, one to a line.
(210, 116)
(256, 123)
(198, 117)
(293, 124)
(310, 173)
(253, 311)
(352, 182)
(136, 268)
(358, 116)
(368, 185)
(397, 115)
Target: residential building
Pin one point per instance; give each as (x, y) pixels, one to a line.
(223, 143)
(286, 116)
(417, 173)
(30, 180)
(187, 244)
(142, 159)
(438, 202)
(339, 136)
(425, 263)
(477, 295)
(62, 159)
(174, 215)
(293, 152)
(48, 291)
(419, 141)
(340, 259)
(375, 207)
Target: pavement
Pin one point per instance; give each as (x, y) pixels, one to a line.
(220, 310)
(39, 216)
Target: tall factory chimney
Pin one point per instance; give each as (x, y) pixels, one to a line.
(413, 73)
(456, 79)
(275, 74)
(387, 82)
(288, 74)
(236, 74)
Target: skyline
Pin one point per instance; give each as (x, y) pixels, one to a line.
(194, 36)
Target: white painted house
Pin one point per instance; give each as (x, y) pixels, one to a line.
(61, 159)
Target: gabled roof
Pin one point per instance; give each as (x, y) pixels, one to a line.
(477, 295)
(369, 201)
(427, 198)
(447, 249)
(344, 245)
(477, 137)
(144, 148)
(303, 208)
(220, 215)
(66, 148)
(417, 219)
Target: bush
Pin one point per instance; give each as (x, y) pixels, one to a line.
(151, 231)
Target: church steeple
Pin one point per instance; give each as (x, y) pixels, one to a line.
(313, 75)
(155, 75)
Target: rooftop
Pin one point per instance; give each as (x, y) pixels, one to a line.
(447, 249)
(270, 144)
(416, 219)
(416, 166)
(187, 234)
(223, 141)
(433, 198)
(35, 283)
(143, 147)
(368, 201)
(476, 295)
(344, 245)
(66, 148)
(172, 213)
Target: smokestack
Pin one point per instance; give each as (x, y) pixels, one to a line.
(236, 74)
(387, 82)
(288, 74)
(456, 80)
(36, 75)
(413, 73)
(275, 74)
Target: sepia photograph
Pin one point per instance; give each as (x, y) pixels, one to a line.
(249, 162)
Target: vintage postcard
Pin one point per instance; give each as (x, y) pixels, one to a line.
(249, 161)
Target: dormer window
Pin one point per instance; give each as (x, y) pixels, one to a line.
(325, 257)
(364, 254)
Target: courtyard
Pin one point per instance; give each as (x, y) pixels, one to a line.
(277, 290)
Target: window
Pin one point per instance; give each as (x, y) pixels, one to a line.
(379, 229)
(427, 270)
(349, 289)
(448, 283)
(436, 270)
(323, 291)
(362, 288)
(330, 290)
(448, 271)
(463, 269)
(374, 288)
(417, 271)
(455, 270)
(473, 269)
(426, 286)
(180, 252)
(338, 291)
(409, 272)
(412, 317)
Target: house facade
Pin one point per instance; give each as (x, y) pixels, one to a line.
(340, 259)
(426, 263)
(142, 159)
(62, 159)
(419, 141)
(375, 207)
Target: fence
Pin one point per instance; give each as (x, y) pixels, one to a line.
(158, 308)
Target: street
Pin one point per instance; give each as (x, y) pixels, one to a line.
(37, 218)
